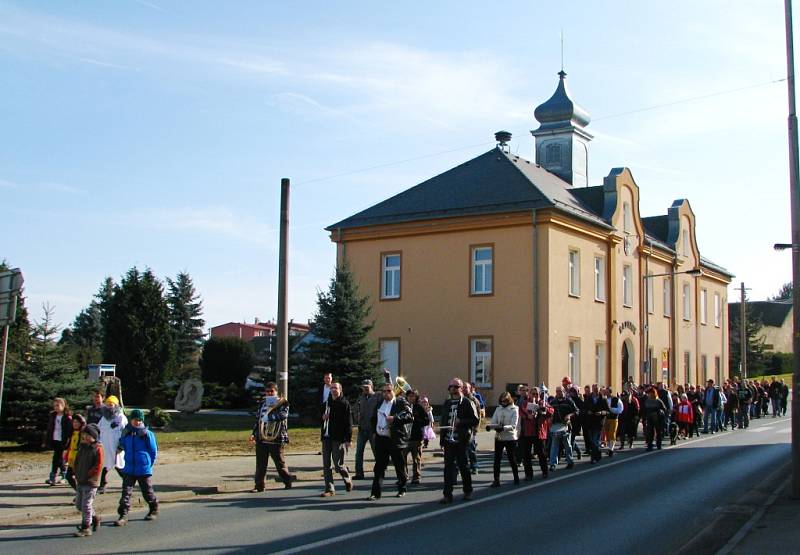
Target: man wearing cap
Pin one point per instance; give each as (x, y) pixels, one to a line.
(367, 405)
(459, 418)
(140, 449)
(111, 425)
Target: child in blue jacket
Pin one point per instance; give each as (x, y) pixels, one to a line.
(139, 445)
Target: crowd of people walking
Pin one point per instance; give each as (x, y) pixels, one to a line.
(398, 423)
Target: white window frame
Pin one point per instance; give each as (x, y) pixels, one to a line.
(574, 273)
(484, 267)
(479, 360)
(600, 362)
(667, 297)
(389, 349)
(703, 305)
(687, 302)
(717, 308)
(627, 285)
(574, 359)
(391, 275)
(704, 368)
(599, 279)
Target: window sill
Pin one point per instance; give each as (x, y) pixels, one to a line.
(599, 300)
(481, 293)
(574, 296)
(382, 299)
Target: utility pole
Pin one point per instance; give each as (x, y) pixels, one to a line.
(743, 331)
(794, 190)
(282, 339)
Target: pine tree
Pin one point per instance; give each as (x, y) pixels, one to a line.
(185, 311)
(756, 362)
(138, 337)
(85, 337)
(47, 371)
(785, 292)
(341, 328)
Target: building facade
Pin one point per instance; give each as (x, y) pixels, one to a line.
(504, 271)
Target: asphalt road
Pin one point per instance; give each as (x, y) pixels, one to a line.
(635, 502)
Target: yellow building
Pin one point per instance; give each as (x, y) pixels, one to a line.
(504, 271)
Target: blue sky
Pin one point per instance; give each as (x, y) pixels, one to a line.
(155, 133)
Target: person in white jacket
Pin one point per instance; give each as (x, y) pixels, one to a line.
(505, 423)
(111, 425)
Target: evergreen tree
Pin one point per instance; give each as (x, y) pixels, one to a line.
(138, 337)
(341, 329)
(31, 383)
(102, 301)
(85, 337)
(227, 360)
(756, 362)
(185, 311)
(785, 293)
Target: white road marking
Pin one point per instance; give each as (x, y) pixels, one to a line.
(393, 525)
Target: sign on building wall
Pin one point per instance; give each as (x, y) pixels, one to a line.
(665, 365)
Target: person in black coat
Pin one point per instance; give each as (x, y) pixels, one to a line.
(458, 420)
(596, 409)
(392, 421)
(416, 438)
(59, 432)
(336, 436)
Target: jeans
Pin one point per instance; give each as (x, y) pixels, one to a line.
(333, 455)
(146, 487)
(472, 453)
(384, 451)
(710, 414)
(455, 462)
(364, 437)
(265, 451)
(592, 438)
(776, 406)
(84, 502)
(557, 440)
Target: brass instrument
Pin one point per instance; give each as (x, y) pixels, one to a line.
(270, 429)
(401, 386)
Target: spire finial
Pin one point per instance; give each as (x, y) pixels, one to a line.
(562, 50)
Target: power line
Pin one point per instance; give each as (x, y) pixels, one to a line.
(396, 162)
(690, 99)
(620, 114)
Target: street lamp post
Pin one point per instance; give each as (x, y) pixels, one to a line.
(695, 272)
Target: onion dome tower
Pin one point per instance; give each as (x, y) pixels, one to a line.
(562, 142)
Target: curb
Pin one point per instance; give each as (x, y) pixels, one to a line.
(735, 520)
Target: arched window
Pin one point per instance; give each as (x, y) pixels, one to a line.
(553, 154)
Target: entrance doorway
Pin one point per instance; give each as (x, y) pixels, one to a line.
(628, 369)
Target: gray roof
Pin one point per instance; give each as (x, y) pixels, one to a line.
(560, 110)
(497, 182)
(493, 182)
(771, 313)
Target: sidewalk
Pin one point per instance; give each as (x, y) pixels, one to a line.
(774, 529)
(24, 499)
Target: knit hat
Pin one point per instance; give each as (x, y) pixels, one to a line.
(137, 414)
(112, 399)
(92, 430)
(79, 418)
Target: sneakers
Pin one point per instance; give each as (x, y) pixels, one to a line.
(348, 486)
(96, 520)
(152, 515)
(446, 500)
(121, 521)
(373, 498)
(327, 494)
(552, 467)
(83, 533)
(400, 494)
(257, 490)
